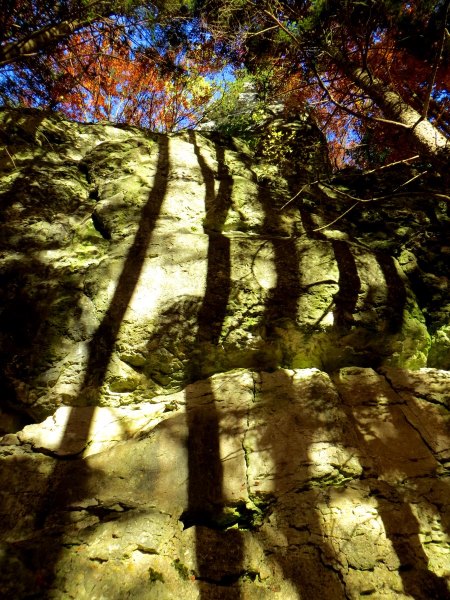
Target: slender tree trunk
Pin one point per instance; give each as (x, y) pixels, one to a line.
(424, 136)
(39, 40)
(36, 41)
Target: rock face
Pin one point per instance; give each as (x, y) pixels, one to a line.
(227, 386)
(246, 485)
(134, 264)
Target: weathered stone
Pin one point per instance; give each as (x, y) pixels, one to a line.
(254, 485)
(150, 261)
(222, 366)
(87, 430)
(377, 412)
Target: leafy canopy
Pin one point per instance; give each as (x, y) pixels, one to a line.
(373, 72)
(124, 61)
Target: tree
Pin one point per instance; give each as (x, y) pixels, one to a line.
(355, 62)
(31, 31)
(123, 61)
(101, 74)
(377, 92)
(29, 28)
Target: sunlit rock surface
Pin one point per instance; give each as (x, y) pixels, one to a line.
(246, 485)
(134, 264)
(212, 383)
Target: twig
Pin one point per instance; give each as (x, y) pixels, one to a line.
(409, 180)
(318, 181)
(262, 31)
(397, 162)
(349, 196)
(337, 218)
(440, 196)
(12, 160)
(281, 26)
(375, 198)
(298, 193)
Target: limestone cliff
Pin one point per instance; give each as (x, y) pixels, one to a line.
(225, 367)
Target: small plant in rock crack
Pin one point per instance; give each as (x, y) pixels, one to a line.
(155, 576)
(181, 569)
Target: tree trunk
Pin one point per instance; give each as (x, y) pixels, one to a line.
(39, 40)
(425, 137)
(36, 41)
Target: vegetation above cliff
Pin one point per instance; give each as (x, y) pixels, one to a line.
(374, 74)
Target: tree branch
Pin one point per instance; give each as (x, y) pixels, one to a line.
(336, 219)
(397, 162)
(39, 40)
(349, 110)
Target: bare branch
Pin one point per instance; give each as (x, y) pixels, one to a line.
(397, 162)
(12, 159)
(283, 27)
(298, 193)
(249, 35)
(337, 218)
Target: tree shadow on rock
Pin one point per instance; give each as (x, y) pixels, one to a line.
(301, 561)
(291, 413)
(218, 547)
(215, 564)
(281, 308)
(35, 311)
(399, 463)
(403, 530)
(369, 306)
(101, 348)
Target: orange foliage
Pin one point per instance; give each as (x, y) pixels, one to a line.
(100, 76)
(350, 119)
